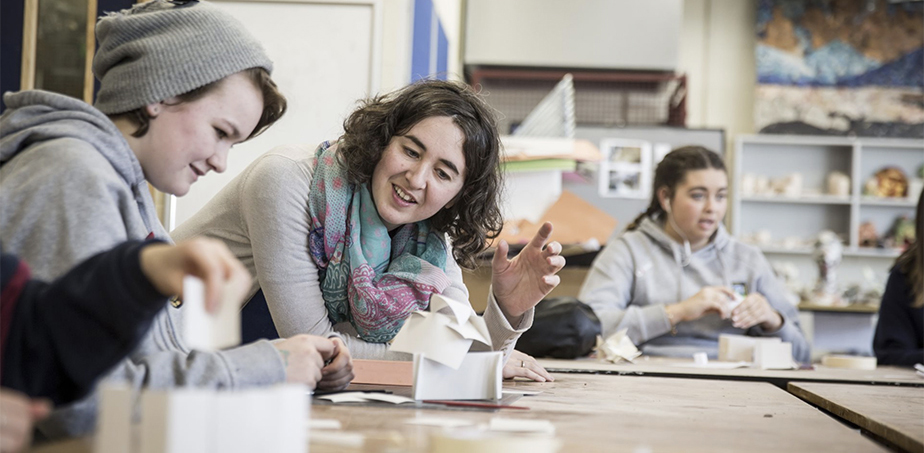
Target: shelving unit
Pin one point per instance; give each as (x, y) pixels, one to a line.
(830, 329)
(805, 216)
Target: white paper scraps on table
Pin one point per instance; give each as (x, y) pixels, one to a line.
(386, 398)
(713, 365)
(521, 425)
(919, 369)
(516, 391)
(322, 423)
(617, 347)
(337, 439)
(364, 397)
(346, 397)
(439, 421)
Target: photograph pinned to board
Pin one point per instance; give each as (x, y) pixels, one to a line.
(626, 168)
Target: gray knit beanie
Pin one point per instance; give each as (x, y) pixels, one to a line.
(160, 49)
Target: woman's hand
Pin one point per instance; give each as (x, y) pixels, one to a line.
(756, 310)
(519, 284)
(338, 372)
(523, 365)
(708, 300)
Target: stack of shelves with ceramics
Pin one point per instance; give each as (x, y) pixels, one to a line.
(790, 188)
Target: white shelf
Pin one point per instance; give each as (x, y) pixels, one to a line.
(807, 199)
(874, 252)
(879, 201)
(865, 252)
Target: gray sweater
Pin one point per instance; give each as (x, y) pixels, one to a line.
(641, 271)
(262, 216)
(71, 187)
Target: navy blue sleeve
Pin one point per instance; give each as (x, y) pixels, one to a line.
(64, 335)
(899, 338)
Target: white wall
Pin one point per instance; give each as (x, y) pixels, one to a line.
(717, 42)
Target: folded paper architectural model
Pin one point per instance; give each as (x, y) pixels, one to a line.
(444, 367)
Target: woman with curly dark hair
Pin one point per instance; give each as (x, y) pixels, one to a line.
(353, 236)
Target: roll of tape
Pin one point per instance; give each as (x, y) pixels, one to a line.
(849, 362)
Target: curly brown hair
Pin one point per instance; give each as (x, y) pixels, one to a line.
(475, 217)
(274, 103)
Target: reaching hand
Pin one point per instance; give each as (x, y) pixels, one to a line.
(519, 284)
(756, 310)
(165, 266)
(338, 372)
(520, 364)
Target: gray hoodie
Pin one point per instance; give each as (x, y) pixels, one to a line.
(640, 272)
(71, 187)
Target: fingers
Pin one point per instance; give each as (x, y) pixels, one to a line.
(16, 421)
(40, 408)
(725, 290)
(325, 346)
(500, 263)
(551, 280)
(542, 236)
(747, 314)
(337, 374)
(525, 366)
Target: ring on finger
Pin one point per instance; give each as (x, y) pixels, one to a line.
(522, 364)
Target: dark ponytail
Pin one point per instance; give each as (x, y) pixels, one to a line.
(673, 170)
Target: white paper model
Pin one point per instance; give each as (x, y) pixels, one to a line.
(440, 341)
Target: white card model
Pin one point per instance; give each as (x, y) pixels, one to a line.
(114, 424)
(478, 377)
(740, 348)
(443, 366)
(771, 355)
(176, 420)
(444, 334)
(207, 332)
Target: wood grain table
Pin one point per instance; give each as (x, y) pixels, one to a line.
(894, 414)
(684, 368)
(600, 413)
(595, 413)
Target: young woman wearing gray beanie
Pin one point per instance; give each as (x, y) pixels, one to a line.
(181, 82)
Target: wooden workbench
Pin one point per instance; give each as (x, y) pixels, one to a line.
(670, 367)
(894, 414)
(597, 413)
(594, 413)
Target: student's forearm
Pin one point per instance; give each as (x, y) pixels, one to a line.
(68, 333)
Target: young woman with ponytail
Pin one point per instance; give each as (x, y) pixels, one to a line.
(669, 278)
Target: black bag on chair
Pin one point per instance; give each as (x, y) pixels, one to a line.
(563, 328)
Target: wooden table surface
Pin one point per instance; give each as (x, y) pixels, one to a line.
(672, 367)
(596, 413)
(895, 414)
(600, 413)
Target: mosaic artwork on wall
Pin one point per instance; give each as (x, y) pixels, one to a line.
(840, 67)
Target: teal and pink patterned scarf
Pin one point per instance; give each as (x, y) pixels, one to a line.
(368, 278)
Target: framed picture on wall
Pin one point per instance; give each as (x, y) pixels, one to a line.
(625, 171)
